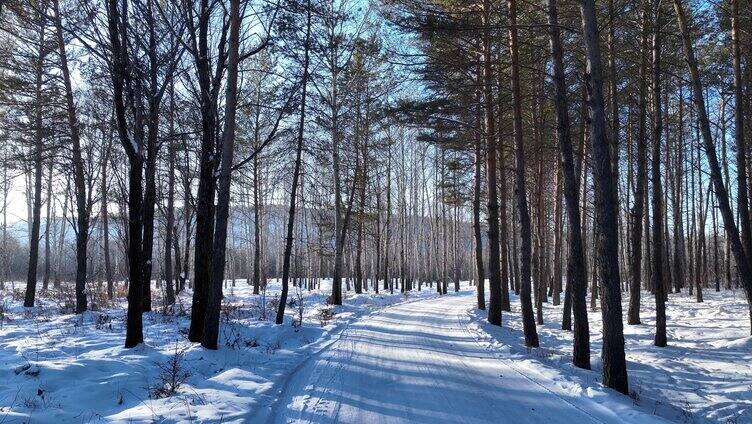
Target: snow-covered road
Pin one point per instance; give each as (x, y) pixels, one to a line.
(418, 363)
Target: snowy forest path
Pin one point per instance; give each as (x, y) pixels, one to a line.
(418, 363)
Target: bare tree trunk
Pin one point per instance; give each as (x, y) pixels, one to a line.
(638, 209)
(528, 319)
(716, 268)
(214, 298)
(678, 175)
(207, 183)
(104, 215)
(258, 227)
(60, 245)
(377, 239)
(117, 34)
(737, 247)
(742, 200)
(576, 274)
(614, 362)
(558, 235)
(658, 281)
(48, 222)
(336, 298)
(170, 220)
(701, 259)
(477, 235)
(187, 207)
(5, 184)
(514, 257)
(152, 150)
(506, 273)
(296, 173)
(362, 140)
(387, 278)
(31, 279)
(494, 259)
(539, 286)
(82, 209)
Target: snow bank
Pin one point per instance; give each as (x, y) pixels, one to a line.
(703, 376)
(81, 372)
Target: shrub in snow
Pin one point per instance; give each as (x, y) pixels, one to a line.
(172, 375)
(103, 322)
(298, 302)
(634, 393)
(272, 347)
(64, 296)
(326, 315)
(3, 312)
(232, 336)
(271, 307)
(17, 294)
(229, 311)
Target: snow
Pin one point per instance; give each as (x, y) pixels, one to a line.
(378, 358)
(85, 374)
(419, 363)
(703, 376)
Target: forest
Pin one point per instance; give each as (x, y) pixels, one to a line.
(313, 210)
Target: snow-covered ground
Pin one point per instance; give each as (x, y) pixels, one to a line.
(419, 363)
(80, 371)
(428, 361)
(703, 376)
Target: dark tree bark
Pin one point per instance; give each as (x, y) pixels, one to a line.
(701, 259)
(117, 30)
(152, 124)
(31, 277)
(477, 235)
(494, 271)
(134, 323)
(503, 229)
(47, 229)
(339, 232)
(187, 221)
(296, 172)
(387, 242)
(576, 272)
(210, 335)
(658, 281)
(678, 213)
(528, 319)
(558, 235)
(105, 217)
(638, 209)
(257, 226)
(614, 362)
(361, 143)
(503, 200)
(82, 206)
(170, 219)
(741, 144)
(205, 210)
